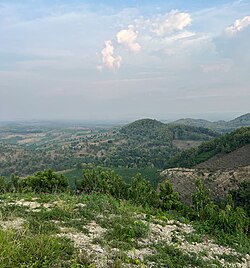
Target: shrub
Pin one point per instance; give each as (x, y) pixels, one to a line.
(227, 219)
(201, 199)
(142, 193)
(102, 181)
(5, 186)
(16, 183)
(45, 182)
(241, 196)
(169, 200)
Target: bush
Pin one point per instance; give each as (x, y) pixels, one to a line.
(201, 200)
(16, 183)
(102, 181)
(241, 196)
(142, 193)
(227, 219)
(45, 182)
(5, 186)
(169, 200)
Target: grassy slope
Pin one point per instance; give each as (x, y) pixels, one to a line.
(65, 230)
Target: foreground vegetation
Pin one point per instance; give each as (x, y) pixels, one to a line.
(106, 222)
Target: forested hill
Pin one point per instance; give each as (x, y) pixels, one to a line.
(143, 127)
(149, 142)
(243, 120)
(221, 126)
(218, 147)
(150, 129)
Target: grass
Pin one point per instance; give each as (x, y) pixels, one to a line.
(22, 249)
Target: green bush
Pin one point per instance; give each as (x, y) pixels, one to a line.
(241, 196)
(45, 182)
(127, 233)
(102, 181)
(142, 193)
(5, 185)
(227, 218)
(169, 200)
(16, 183)
(201, 200)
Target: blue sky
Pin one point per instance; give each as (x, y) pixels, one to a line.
(124, 59)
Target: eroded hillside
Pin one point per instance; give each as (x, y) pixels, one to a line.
(219, 182)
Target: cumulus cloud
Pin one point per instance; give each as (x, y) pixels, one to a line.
(108, 58)
(238, 25)
(170, 22)
(160, 33)
(128, 38)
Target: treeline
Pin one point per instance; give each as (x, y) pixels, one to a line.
(224, 217)
(223, 144)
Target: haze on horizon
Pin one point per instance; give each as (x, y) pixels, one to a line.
(116, 60)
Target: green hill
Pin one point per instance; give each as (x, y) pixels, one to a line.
(243, 120)
(142, 127)
(151, 129)
(149, 142)
(192, 122)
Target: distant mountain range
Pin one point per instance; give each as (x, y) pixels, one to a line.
(220, 126)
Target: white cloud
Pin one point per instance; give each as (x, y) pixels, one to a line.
(108, 58)
(238, 25)
(128, 38)
(170, 22)
(169, 28)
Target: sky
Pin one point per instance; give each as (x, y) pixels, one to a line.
(124, 60)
